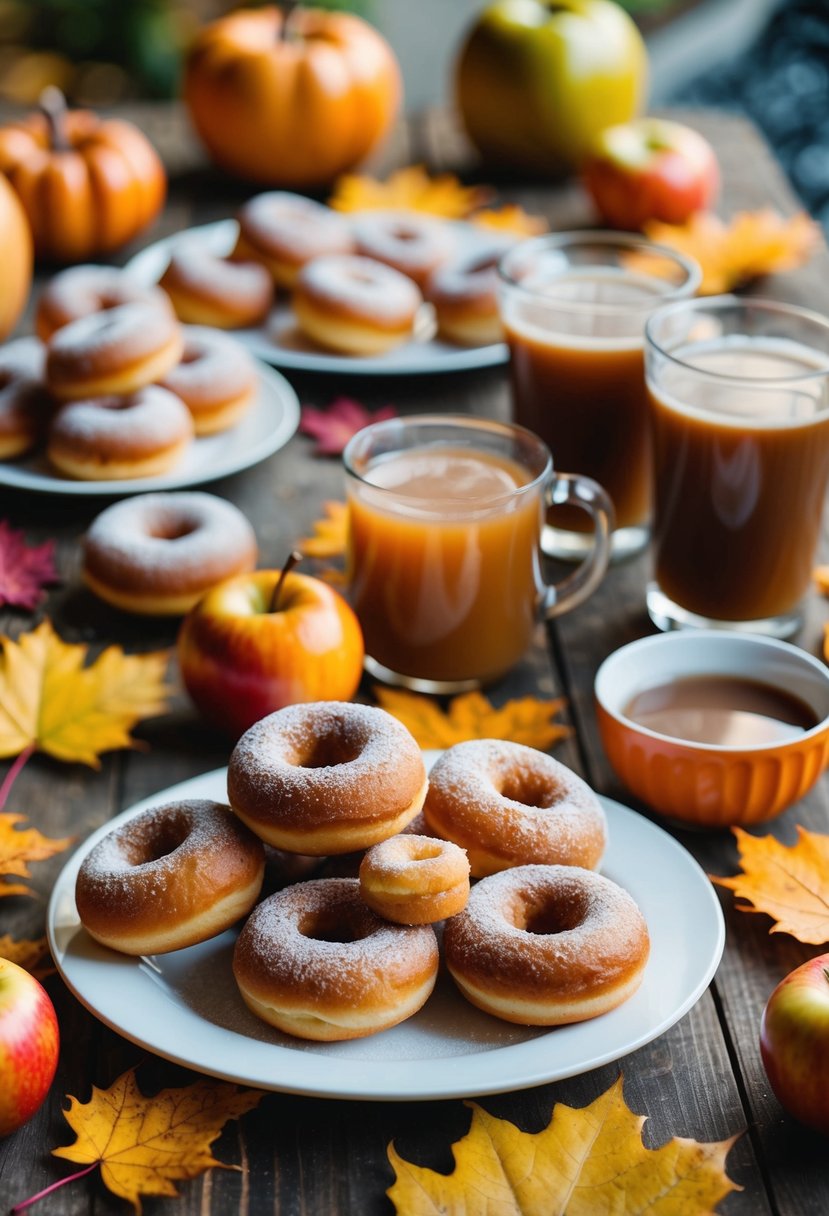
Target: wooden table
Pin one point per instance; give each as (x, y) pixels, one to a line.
(703, 1078)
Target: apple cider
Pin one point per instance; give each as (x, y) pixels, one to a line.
(443, 558)
(741, 450)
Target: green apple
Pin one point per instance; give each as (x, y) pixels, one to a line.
(538, 81)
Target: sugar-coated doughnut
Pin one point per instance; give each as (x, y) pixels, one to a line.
(355, 305)
(510, 805)
(174, 875)
(326, 777)
(25, 404)
(464, 293)
(547, 945)
(81, 291)
(283, 231)
(209, 290)
(158, 554)
(116, 351)
(139, 435)
(415, 880)
(413, 244)
(314, 961)
(216, 379)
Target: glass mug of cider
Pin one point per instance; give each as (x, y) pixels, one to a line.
(739, 395)
(445, 519)
(574, 306)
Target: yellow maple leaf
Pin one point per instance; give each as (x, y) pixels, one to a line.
(32, 956)
(409, 189)
(471, 716)
(791, 885)
(50, 701)
(511, 219)
(18, 846)
(144, 1145)
(821, 576)
(330, 533)
(586, 1161)
(753, 244)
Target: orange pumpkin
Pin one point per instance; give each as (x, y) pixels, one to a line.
(15, 259)
(291, 100)
(87, 184)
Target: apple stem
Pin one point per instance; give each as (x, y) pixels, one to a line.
(293, 558)
(53, 107)
(286, 34)
(826, 974)
(47, 1190)
(11, 775)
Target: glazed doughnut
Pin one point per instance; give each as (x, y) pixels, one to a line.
(117, 351)
(415, 880)
(216, 379)
(413, 244)
(510, 805)
(140, 435)
(174, 875)
(81, 291)
(283, 231)
(355, 305)
(547, 945)
(25, 404)
(326, 777)
(209, 290)
(464, 293)
(158, 554)
(314, 961)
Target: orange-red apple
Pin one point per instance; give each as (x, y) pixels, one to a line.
(240, 659)
(650, 169)
(794, 1042)
(28, 1045)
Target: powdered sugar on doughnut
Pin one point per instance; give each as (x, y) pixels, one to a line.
(195, 268)
(360, 288)
(107, 340)
(213, 366)
(81, 291)
(182, 536)
(412, 244)
(294, 228)
(122, 427)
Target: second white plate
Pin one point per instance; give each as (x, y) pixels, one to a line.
(185, 1006)
(277, 340)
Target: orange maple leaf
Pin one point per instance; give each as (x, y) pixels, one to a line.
(52, 702)
(789, 884)
(330, 533)
(525, 720)
(144, 1145)
(32, 956)
(510, 219)
(19, 846)
(585, 1161)
(409, 189)
(753, 244)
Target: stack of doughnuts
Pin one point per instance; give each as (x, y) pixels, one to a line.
(356, 286)
(541, 940)
(120, 388)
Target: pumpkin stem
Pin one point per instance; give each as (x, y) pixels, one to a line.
(54, 109)
(287, 6)
(293, 558)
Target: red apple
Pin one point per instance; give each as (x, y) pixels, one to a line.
(28, 1045)
(241, 660)
(650, 169)
(794, 1042)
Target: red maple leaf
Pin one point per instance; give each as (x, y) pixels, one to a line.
(24, 569)
(333, 427)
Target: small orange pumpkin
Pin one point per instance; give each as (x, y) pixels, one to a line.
(293, 98)
(15, 259)
(87, 184)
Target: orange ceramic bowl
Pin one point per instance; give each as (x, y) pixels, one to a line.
(712, 785)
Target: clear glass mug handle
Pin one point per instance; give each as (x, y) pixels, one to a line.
(573, 489)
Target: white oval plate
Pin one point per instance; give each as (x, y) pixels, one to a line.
(278, 341)
(185, 1006)
(270, 422)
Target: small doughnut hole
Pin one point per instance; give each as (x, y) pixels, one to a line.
(333, 925)
(426, 851)
(529, 789)
(165, 839)
(549, 916)
(329, 750)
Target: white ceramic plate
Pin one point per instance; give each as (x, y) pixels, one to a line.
(267, 426)
(278, 341)
(185, 1006)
